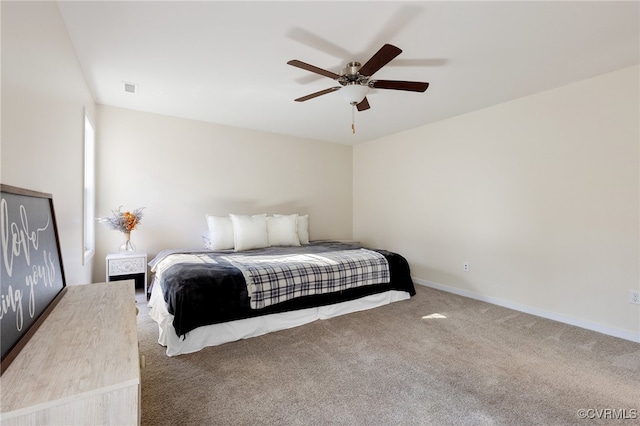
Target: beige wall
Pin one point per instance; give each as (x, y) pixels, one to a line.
(43, 100)
(182, 169)
(540, 195)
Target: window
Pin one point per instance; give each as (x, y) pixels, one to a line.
(89, 230)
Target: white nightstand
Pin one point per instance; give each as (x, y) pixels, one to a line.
(124, 266)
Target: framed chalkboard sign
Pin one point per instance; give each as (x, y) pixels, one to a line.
(32, 280)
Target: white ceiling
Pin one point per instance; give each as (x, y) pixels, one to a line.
(226, 62)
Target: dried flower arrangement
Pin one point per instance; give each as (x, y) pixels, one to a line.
(122, 221)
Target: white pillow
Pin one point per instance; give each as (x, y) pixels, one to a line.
(282, 230)
(302, 223)
(303, 229)
(220, 232)
(206, 238)
(249, 232)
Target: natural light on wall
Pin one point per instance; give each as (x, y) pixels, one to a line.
(89, 189)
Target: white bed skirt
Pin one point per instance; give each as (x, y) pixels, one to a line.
(217, 334)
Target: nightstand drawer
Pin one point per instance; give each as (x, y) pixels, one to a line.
(125, 266)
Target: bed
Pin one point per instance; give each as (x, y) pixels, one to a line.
(206, 297)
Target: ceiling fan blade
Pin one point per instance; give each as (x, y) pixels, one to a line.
(316, 94)
(412, 86)
(363, 105)
(380, 59)
(312, 68)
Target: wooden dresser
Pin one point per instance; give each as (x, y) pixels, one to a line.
(82, 366)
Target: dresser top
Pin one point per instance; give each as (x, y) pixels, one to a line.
(88, 344)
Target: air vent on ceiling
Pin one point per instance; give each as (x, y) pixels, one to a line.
(130, 87)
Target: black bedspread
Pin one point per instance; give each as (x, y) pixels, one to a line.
(204, 294)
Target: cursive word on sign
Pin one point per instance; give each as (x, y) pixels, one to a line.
(17, 237)
(12, 301)
(19, 243)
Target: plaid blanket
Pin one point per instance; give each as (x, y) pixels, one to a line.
(275, 279)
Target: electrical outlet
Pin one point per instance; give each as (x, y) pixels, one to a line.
(634, 297)
(465, 266)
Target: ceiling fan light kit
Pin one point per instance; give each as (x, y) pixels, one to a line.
(354, 93)
(355, 80)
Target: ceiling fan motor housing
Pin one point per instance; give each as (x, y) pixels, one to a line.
(351, 69)
(350, 75)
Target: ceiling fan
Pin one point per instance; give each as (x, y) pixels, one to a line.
(355, 80)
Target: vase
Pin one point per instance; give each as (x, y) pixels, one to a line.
(127, 246)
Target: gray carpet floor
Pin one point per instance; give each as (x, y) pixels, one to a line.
(472, 364)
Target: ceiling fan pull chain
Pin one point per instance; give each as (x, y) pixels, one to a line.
(353, 119)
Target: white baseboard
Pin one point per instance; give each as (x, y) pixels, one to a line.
(533, 311)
